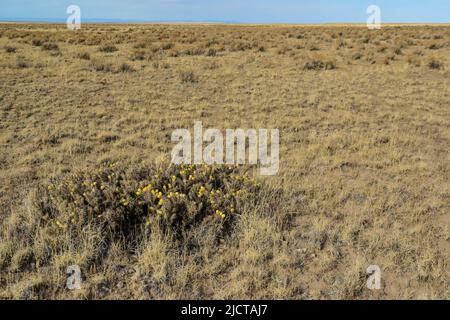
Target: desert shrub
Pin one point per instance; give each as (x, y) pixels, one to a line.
(108, 48)
(84, 56)
(357, 56)
(382, 49)
(240, 46)
(9, 49)
(261, 49)
(211, 52)
(36, 42)
(434, 46)
(91, 41)
(341, 44)
(154, 49)
(174, 53)
(283, 50)
(434, 64)
(211, 42)
(50, 47)
(21, 64)
(398, 51)
(194, 52)
(125, 67)
(388, 59)
(188, 77)
(138, 55)
(319, 65)
(102, 67)
(170, 198)
(167, 46)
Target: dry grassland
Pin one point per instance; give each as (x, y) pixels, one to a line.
(364, 119)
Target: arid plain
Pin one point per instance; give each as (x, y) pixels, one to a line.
(364, 179)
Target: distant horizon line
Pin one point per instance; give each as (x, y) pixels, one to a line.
(226, 23)
(144, 21)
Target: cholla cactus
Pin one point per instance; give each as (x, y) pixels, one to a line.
(173, 198)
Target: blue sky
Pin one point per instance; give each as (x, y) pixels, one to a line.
(245, 11)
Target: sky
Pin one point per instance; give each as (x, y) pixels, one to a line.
(233, 11)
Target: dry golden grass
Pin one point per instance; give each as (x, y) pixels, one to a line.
(364, 179)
